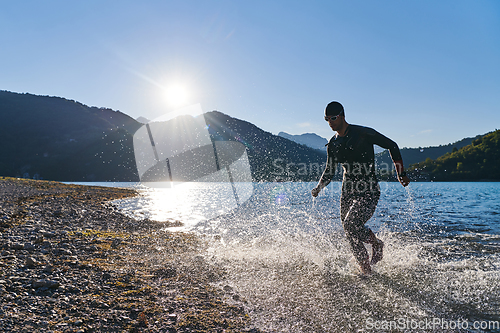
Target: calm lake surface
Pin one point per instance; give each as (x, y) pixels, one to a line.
(288, 257)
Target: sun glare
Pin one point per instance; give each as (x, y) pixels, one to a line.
(176, 95)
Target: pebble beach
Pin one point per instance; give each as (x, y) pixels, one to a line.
(70, 261)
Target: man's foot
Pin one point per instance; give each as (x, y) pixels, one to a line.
(377, 251)
(365, 268)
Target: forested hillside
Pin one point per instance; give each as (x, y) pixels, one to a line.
(417, 155)
(478, 161)
(59, 139)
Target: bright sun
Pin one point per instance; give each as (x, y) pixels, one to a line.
(176, 95)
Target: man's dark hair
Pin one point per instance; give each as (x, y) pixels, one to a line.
(333, 109)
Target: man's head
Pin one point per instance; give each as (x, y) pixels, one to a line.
(334, 109)
(334, 115)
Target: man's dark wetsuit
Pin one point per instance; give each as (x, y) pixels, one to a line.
(360, 189)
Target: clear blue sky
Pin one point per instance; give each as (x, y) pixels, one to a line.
(422, 72)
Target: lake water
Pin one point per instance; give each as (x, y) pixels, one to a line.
(287, 255)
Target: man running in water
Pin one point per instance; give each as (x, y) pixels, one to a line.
(352, 147)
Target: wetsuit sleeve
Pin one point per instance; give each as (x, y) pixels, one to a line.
(386, 143)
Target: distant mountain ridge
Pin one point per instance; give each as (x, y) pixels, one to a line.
(311, 140)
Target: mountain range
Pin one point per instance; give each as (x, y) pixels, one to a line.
(311, 140)
(54, 138)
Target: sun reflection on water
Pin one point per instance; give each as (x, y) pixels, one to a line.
(189, 202)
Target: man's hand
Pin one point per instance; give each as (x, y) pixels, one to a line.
(404, 180)
(315, 191)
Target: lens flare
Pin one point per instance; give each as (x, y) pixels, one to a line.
(279, 196)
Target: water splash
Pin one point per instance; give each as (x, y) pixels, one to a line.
(293, 266)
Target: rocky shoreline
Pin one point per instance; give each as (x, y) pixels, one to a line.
(71, 262)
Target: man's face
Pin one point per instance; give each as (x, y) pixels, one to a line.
(335, 124)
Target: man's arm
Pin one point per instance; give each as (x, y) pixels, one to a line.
(400, 170)
(326, 177)
(386, 143)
